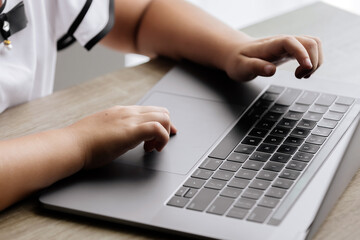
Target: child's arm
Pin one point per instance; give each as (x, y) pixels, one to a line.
(177, 29)
(36, 161)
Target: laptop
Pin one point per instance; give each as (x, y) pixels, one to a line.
(263, 159)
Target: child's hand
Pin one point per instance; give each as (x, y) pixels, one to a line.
(110, 133)
(260, 56)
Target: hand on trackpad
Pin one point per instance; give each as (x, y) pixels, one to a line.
(199, 122)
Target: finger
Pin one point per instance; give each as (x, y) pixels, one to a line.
(154, 135)
(173, 129)
(249, 68)
(312, 49)
(146, 109)
(276, 47)
(162, 117)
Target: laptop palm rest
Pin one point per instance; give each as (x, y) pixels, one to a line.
(200, 123)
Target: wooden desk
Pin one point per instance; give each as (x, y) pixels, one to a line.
(26, 220)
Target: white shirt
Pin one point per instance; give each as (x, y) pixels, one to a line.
(27, 70)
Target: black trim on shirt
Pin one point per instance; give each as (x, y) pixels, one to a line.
(3, 6)
(68, 37)
(106, 29)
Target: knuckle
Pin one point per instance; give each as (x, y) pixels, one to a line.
(288, 39)
(310, 44)
(156, 127)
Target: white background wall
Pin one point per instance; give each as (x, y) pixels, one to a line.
(75, 65)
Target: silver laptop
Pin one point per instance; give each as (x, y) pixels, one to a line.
(251, 160)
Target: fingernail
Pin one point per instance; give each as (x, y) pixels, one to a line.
(308, 63)
(268, 69)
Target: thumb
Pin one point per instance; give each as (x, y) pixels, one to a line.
(253, 67)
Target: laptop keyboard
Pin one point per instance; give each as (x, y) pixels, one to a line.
(254, 173)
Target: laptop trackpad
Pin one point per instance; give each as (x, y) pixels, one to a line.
(199, 122)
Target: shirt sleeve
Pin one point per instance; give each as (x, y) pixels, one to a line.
(85, 21)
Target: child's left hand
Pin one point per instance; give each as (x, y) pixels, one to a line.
(260, 56)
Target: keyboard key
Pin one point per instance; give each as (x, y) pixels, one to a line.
(279, 109)
(257, 132)
(288, 97)
(194, 183)
(266, 148)
(203, 199)
(223, 175)
(326, 123)
(315, 139)
(307, 124)
(246, 174)
(267, 175)
(220, 205)
(274, 166)
(181, 192)
(246, 149)
(345, 101)
(289, 174)
(259, 214)
(272, 116)
(238, 157)
(307, 98)
(287, 123)
(293, 115)
(231, 192)
(296, 165)
(287, 149)
(319, 131)
(215, 184)
(269, 96)
(303, 156)
(280, 131)
(230, 166)
(252, 193)
(275, 89)
(211, 164)
(313, 116)
(239, 183)
(299, 108)
(260, 156)
(178, 202)
(259, 184)
(339, 108)
(202, 174)
(238, 213)
(192, 192)
(253, 141)
(282, 183)
(325, 99)
(268, 202)
(318, 109)
(294, 141)
(333, 116)
(245, 203)
(276, 140)
(280, 157)
(309, 148)
(232, 139)
(275, 192)
(265, 124)
(300, 132)
(253, 165)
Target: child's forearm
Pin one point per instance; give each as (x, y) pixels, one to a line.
(33, 162)
(172, 28)
(182, 31)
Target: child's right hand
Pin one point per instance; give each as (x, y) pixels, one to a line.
(258, 57)
(110, 133)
